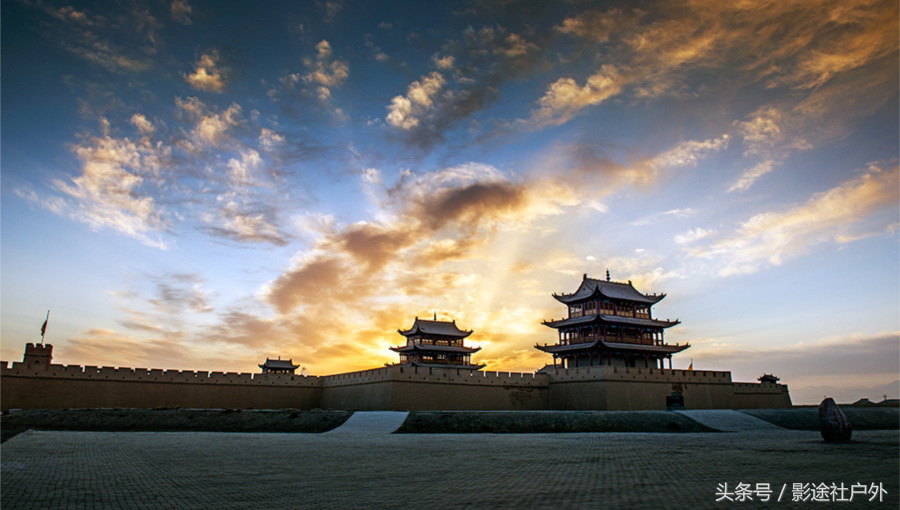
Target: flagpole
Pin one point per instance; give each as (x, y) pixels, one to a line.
(44, 327)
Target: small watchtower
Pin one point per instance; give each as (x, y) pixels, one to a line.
(278, 366)
(38, 355)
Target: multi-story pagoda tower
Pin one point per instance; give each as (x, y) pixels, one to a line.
(436, 344)
(610, 323)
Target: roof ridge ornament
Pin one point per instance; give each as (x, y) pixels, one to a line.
(607, 274)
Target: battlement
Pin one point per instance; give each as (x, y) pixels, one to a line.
(39, 349)
(436, 375)
(472, 377)
(615, 373)
(38, 356)
(760, 388)
(128, 374)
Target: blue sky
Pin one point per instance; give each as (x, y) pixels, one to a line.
(194, 185)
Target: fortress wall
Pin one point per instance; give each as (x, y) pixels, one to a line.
(368, 396)
(367, 390)
(61, 387)
(468, 377)
(611, 373)
(761, 396)
(622, 388)
(354, 378)
(467, 390)
(416, 388)
(33, 386)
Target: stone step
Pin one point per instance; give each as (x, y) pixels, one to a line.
(371, 423)
(727, 420)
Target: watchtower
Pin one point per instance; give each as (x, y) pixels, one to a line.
(38, 355)
(610, 323)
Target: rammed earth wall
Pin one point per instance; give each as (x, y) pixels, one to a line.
(62, 387)
(389, 388)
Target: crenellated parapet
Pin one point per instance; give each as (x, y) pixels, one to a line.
(436, 375)
(615, 373)
(469, 377)
(128, 374)
(38, 356)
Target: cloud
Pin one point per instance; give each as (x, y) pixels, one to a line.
(814, 368)
(591, 169)
(89, 36)
(565, 97)
(653, 218)
(331, 10)
(750, 176)
(208, 75)
(804, 45)
(379, 55)
(692, 235)
(444, 63)
(689, 153)
(209, 128)
(313, 280)
(240, 172)
(325, 73)
(244, 223)
(439, 244)
(269, 139)
(107, 347)
(176, 293)
(240, 327)
(247, 212)
(830, 216)
(181, 11)
(107, 191)
(435, 218)
(145, 127)
(469, 72)
(598, 26)
(405, 111)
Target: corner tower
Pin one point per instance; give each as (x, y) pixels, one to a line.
(38, 355)
(610, 323)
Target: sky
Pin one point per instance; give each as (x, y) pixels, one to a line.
(202, 185)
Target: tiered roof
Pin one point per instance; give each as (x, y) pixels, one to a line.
(594, 289)
(434, 348)
(279, 364)
(620, 346)
(591, 287)
(435, 327)
(432, 331)
(611, 319)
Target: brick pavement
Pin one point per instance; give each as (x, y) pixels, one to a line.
(193, 470)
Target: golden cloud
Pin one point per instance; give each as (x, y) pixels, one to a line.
(773, 237)
(208, 75)
(802, 44)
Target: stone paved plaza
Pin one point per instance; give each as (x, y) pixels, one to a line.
(189, 470)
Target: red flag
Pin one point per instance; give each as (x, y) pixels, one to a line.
(44, 327)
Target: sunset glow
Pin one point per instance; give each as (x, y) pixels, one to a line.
(202, 185)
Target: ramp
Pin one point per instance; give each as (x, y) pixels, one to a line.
(370, 423)
(729, 421)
